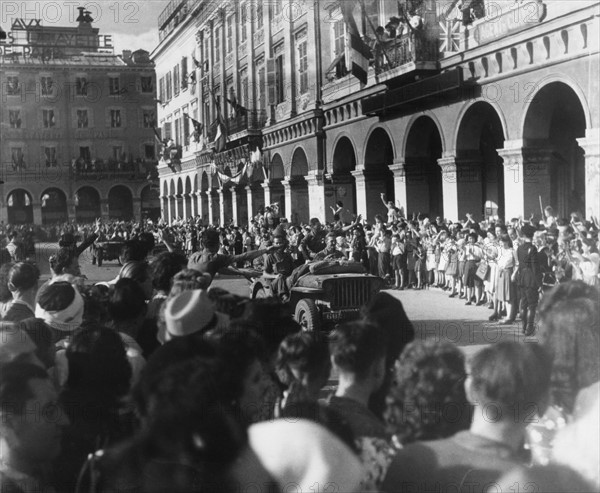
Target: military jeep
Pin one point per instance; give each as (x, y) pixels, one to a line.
(320, 299)
(106, 250)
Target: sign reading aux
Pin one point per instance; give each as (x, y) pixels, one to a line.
(28, 37)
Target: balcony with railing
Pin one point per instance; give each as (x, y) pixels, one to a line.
(112, 169)
(253, 120)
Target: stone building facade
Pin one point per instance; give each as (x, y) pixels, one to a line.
(77, 138)
(492, 111)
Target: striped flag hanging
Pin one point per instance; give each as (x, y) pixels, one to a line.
(360, 53)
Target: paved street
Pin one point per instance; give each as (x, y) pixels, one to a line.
(432, 312)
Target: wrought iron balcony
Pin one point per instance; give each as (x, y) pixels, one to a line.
(410, 48)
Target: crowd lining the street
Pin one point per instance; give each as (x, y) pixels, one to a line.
(152, 382)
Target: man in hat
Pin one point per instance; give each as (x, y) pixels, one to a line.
(210, 261)
(528, 277)
(279, 263)
(314, 241)
(330, 252)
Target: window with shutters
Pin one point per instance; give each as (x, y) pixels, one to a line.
(113, 86)
(14, 118)
(186, 131)
(177, 136)
(47, 86)
(229, 46)
(50, 156)
(82, 118)
(13, 87)
(17, 157)
(184, 72)
(176, 81)
(115, 118)
(81, 86)
(161, 90)
(206, 42)
(243, 21)
(169, 86)
(166, 131)
(146, 85)
(217, 45)
(48, 118)
(148, 118)
(302, 65)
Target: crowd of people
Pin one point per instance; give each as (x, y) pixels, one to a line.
(158, 381)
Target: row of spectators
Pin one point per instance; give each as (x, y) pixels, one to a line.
(159, 382)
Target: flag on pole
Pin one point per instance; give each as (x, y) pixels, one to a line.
(198, 127)
(221, 134)
(238, 108)
(360, 53)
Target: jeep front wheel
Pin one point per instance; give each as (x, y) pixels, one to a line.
(307, 315)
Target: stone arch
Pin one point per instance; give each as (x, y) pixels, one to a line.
(187, 198)
(297, 202)
(480, 172)
(554, 120)
(87, 204)
(19, 203)
(423, 175)
(433, 117)
(299, 163)
(377, 177)
(341, 187)
(120, 203)
(54, 206)
(150, 203)
(276, 190)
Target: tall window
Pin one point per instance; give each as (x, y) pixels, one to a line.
(176, 80)
(82, 119)
(279, 79)
(148, 118)
(113, 86)
(184, 72)
(186, 131)
(50, 156)
(206, 42)
(339, 43)
(47, 85)
(229, 46)
(14, 118)
(13, 88)
(149, 151)
(177, 137)
(81, 88)
(161, 90)
(85, 154)
(17, 157)
(259, 15)
(117, 153)
(262, 99)
(217, 45)
(169, 86)
(244, 86)
(48, 118)
(146, 84)
(302, 62)
(115, 118)
(243, 20)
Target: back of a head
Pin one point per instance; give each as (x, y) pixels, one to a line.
(5, 293)
(355, 346)
(164, 267)
(127, 301)
(512, 378)
(136, 270)
(15, 344)
(134, 251)
(306, 352)
(98, 363)
(272, 320)
(61, 260)
(387, 312)
(15, 390)
(570, 330)
(427, 400)
(23, 276)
